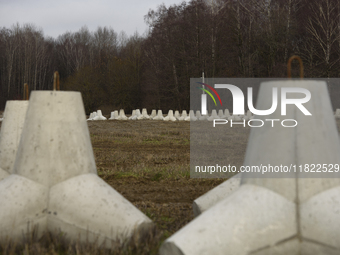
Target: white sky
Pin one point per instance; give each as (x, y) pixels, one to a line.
(59, 16)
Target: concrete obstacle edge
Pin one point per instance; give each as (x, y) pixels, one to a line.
(261, 217)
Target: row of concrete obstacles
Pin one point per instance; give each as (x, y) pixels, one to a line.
(137, 115)
(272, 216)
(48, 176)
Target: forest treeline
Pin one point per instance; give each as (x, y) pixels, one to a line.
(222, 38)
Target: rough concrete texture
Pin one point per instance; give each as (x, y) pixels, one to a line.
(229, 227)
(55, 182)
(104, 213)
(215, 195)
(11, 129)
(293, 215)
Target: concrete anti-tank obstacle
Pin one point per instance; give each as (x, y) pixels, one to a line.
(11, 129)
(132, 114)
(55, 183)
(276, 215)
(191, 116)
(221, 114)
(184, 115)
(159, 116)
(213, 116)
(99, 116)
(114, 115)
(204, 117)
(337, 113)
(121, 115)
(177, 115)
(170, 116)
(90, 117)
(215, 195)
(153, 114)
(137, 114)
(226, 113)
(198, 114)
(144, 115)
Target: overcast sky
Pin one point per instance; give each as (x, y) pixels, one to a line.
(59, 16)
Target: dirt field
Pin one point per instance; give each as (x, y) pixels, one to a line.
(148, 163)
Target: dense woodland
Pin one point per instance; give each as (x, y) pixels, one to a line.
(223, 38)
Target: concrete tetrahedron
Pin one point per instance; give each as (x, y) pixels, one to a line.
(144, 115)
(99, 116)
(114, 115)
(191, 116)
(136, 115)
(121, 115)
(213, 116)
(132, 114)
(276, 215)
(215, 195)
(170, 116)
(159, 116)
(198, 114)
(177, 115)
(55, 183)
(184, 115)
(153, 113)
(11, 129)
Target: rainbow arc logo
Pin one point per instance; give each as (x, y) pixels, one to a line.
(204, 99)
(208, 92)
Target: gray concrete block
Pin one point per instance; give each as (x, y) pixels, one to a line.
(87, 208)
(308, 205)
(55, 183)
(215, 195)
(11, 129)
(23, 205)
(249, 219)
(55, 142)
